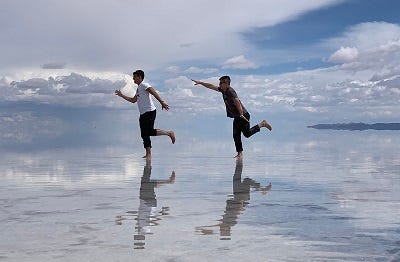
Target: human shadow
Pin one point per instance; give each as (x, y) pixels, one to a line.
(235, 205)
(147, 214)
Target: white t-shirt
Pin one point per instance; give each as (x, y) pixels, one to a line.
(144, 100)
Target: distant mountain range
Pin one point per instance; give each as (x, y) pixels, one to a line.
(358, 126)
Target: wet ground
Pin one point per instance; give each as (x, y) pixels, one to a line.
(331, 198)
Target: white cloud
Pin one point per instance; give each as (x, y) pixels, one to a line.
(120, 35)
(187, 92)
(173, 69)
(197, 70)
(366, 36)
(239, 62)
(374, 54)
(191, 70)
(344, 55)
(184, 95)
(72, 89)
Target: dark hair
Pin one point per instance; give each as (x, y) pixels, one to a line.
(225, 78)
(139, 73)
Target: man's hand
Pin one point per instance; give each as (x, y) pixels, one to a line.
(118, 92)
(164, 106)
(244, 118)
(196, 82)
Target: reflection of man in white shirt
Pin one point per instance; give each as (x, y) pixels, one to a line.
(147, 111)
(147, 211)
(145, 214)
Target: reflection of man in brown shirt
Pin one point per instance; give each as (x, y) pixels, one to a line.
(235, 110)
(235, 205)
(241, 196)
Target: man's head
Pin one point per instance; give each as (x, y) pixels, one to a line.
(138, 76)
(224, 82)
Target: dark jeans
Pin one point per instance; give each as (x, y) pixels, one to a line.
(242, 126)
(146, 122)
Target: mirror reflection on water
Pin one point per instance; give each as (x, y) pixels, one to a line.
(332, 198)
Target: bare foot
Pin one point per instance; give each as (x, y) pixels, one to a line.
(266, 125)
(171, 134)
(147, 156)
(239, 155)
(172, 177)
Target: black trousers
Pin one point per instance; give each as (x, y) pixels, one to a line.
(146, 122)
(242, 126)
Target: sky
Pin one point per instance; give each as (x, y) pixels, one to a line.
(293, 62)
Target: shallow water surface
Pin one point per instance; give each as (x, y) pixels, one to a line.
(333, 198)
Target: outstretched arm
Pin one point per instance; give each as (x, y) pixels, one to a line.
(158, 97)
(127, 98)
(208, 85)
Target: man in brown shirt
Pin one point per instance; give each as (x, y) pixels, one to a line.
(235, 110)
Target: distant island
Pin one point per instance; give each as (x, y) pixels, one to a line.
(358, 126)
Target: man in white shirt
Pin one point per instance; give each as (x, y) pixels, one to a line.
(147, 111)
